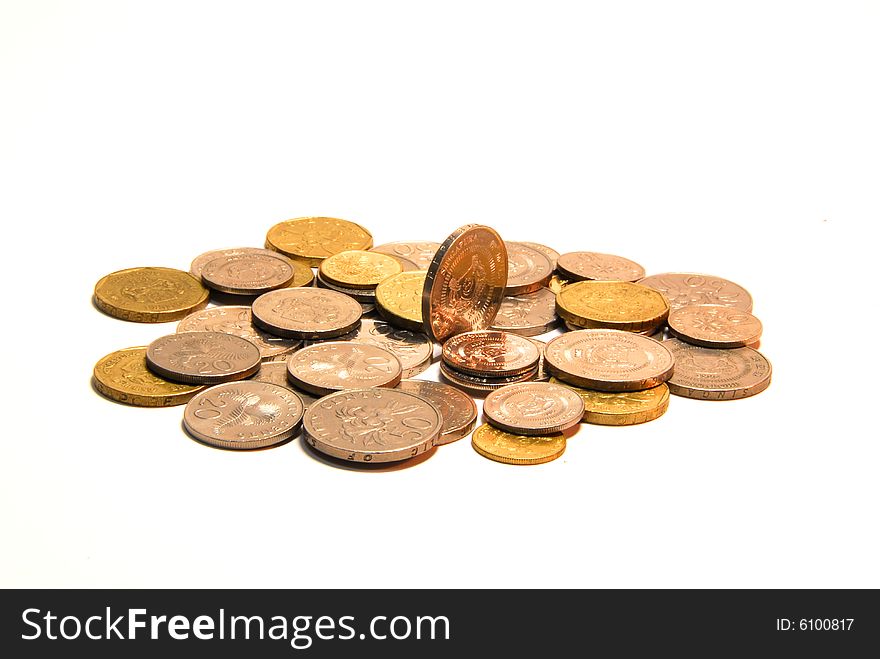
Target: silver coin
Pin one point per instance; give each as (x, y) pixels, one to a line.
(199, 262)
(237, 320)
(528, 314)
(306, 313)
(326, 367)
(458, 410)
(203, 357)
(247, 274)
(716, 373)
(419, 254)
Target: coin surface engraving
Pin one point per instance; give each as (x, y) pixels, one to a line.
(509, 448)
(682, 288)
(306, 313)
(123, 376)
(237, 320)
(323, 368)
(312, 239)
(612, 305)
(247, 274)
(527, 269)
(578, 266)
(419, 253)
(489, 352)
(203, 357)
(715, 374)
(621, 408)
(533, 408)
(150, 295)
(715, 326)
(528, 314)
(399, 300)
(358, 269)
(458, 410)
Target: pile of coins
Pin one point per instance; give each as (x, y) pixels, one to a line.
(319, 334)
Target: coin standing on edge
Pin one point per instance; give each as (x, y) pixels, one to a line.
(237, 320)
(313, 239)
(372, 425)
(717, 374)
(683, 288)
(244, 415)
(247, 274)
(418, 253)
(323, 368)
(399, 300)
(465, 282)
(306, 313)
(609, 360)
(529, 314)
(490, 353)
(527, 269)
(150, 295)
(509, 448)
(457, 409)
(622, 408)
(203, 357)
(533, 408)
(123, 376)
(715, 326)
(580, 266)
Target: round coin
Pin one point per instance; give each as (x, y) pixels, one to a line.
(399, 300)
(489, 353)
(244, 415)
(527, 269)
(203, 357)
(623, 408)
(313, 239)
(713, 374)
(306, 313)
(551, 254)
(414, 350)
(150, 295)
(358, 269)
(247, 274)
(578, 266)
(238, 321)
(533, 408)
(612, 305)
(528, 314)
(335, 365)
(465, 282)
(419, 253)
(123, 376)
(199, 262)
(276, 373)
(715, 326)
(302, 274)
(609, 360)
(458, 410)
(557, 283)
(501, 446)
(682, 288)
(483, 384)
(372, 425)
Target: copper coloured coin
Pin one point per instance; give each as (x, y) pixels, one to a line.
(528, 314)
(372, 425)
(489, 353)
(713, 374)
(237, 320)
(684, 288)
(244, 415)
(609, 360)
(579, 266)
(715, 326)
(533, 408)
(247, 274)
(326, 367)
(527, 269)
(203, 357)
(465, 282)
(306, 313)
(458, 410)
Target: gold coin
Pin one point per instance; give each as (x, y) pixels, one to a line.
(302, 274)
(624, 408)
(313, 239)
(399, 299)
(358, 269)
(612, 305)
(150, 295)
(500, 446)
(557, 283)
(123, 376)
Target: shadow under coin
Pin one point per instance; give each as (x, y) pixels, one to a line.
(364, 466)
(228, 299)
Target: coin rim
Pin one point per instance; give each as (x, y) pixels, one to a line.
(194, 378)
(118, 395)
(311, 260)
(135, 316)
(286, 333)
(327, 391)
(515, 461)
(565, 424)
(234, 290)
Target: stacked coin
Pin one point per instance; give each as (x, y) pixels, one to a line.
(357, 273)
(485, 360)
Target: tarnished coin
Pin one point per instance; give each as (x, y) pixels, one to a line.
(203, 357)
(612, 305)
(244, 415)
(578, 266)
(501, 446)
(682, 288)
(313, 239)
(306, 313)
(150, 295)
(551, 254)
(419, 253)
(198, 263)
(714, 374)
(465, 282)
(533, 408)
(123, 376)
(323, 368)
(609, 360)
(480, 384)
(372, 425)
(458, 410)
(715, 326)
(238, 321)
(527, 269)
(414, 350)
(528, 314)
(489, 353)
(622, 408)
(399, 300)
(358, 269)
(247, 274)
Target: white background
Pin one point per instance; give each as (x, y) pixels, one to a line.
(739, 139)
